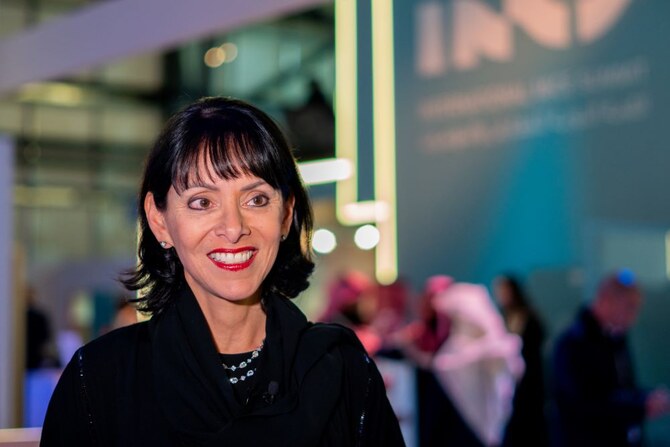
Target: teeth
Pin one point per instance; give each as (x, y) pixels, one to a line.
(232, 258)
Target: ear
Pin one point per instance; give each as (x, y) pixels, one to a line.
(287, 220)
(156, 219)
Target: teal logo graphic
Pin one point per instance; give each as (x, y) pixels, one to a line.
(459, 35)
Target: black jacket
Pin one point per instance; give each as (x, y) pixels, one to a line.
(597, 399)
(161, 383)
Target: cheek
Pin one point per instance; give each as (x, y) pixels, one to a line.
(181, 237)
(271, 228)
(186, 239)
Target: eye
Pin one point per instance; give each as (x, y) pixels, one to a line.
(200, 203)
(259, 200)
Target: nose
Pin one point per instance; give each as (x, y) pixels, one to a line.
(231, 224)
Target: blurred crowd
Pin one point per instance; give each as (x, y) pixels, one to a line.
(464, 364)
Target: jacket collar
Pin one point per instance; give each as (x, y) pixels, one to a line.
(190, 383)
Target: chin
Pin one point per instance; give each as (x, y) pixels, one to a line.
(240, 296)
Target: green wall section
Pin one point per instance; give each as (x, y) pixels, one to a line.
(551, 162)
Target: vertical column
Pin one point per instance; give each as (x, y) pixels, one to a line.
(366, 121)
(383, 99)
(346, 102)
(9, 391)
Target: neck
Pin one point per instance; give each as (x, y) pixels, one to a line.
(235, 327)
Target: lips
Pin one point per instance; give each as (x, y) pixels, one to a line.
(233, 259)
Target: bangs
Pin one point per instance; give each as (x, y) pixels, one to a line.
(227, 155)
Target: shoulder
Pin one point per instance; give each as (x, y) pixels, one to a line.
(578, 332)
(575, 342)
(331, 331)
(338, 347)
(113, 348)
(118, 339)
(109, 364)
(338, 343)
(362, 389)
(326, 337)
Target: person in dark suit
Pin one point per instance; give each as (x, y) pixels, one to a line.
(598, 400)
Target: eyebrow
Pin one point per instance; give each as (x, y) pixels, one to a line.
(254, 185)
(200, 184)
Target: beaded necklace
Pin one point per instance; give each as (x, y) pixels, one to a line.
(242, 371)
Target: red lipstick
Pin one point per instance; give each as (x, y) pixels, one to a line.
(223, 258)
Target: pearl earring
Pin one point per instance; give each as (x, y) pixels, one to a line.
(164, 244)
(283, 237)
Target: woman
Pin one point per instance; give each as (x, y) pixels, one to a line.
(527, 425)
(226, 358)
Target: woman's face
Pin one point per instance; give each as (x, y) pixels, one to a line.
(225, 232)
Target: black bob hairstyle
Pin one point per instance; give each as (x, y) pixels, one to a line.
(238, 139)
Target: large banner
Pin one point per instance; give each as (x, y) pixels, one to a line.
(522, 121)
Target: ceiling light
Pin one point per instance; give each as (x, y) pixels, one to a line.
(325, 171)
(366, 237)
(324, 241)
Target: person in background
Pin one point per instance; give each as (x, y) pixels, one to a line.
(353, 304)
(598, 400)
(527, 425)
(439, 422)
(420, 339)
(390, 315)
(42, 363)
(478, 365)
(38, 335)
(226, 358)
(399, 374)
(126, 314)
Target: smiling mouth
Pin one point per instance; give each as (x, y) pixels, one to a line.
(232, 258)
(233, 261)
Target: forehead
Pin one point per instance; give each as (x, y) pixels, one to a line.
(204, 169)
(205, 175)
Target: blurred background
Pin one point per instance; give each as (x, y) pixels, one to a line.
(446, 137)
